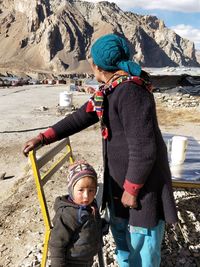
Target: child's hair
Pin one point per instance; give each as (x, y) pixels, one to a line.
(77, 171)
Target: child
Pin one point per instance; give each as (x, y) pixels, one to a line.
(76, 235)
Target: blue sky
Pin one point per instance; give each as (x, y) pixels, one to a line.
(182, 16)
(187, 25)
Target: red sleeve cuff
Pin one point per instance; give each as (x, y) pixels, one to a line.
(131, 188)
(48, 137)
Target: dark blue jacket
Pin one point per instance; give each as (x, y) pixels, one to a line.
(76, 236)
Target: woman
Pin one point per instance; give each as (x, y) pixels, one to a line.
(137, 179)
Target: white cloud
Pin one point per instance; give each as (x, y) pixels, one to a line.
(182, 5)
(188, 32)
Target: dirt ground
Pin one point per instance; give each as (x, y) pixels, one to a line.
(24, 109)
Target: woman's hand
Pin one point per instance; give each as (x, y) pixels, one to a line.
(129, 200)
(31, 144)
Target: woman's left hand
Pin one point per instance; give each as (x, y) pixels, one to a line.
(128, 200)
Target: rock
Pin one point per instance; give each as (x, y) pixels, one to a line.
(2, 176)
(43, 108)
(178, 100)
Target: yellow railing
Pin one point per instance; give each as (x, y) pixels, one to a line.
(41, 180)
(185, 184)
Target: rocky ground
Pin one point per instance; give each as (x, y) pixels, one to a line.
(21, 227)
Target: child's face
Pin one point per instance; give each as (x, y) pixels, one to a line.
(84, 191)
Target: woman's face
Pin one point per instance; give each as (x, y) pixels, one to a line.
(84, 191)
(97, 73)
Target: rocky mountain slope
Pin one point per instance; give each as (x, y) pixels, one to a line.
(198, 56)
(56, 35)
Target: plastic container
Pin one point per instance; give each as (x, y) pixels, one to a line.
(66, 99)
(178, 149)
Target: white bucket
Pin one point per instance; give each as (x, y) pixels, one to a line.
(178, 149)
(176, 170)
(65, 99)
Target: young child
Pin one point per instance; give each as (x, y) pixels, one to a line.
(76, 236)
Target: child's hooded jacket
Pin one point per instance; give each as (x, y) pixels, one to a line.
(76, 235)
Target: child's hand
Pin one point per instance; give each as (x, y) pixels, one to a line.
(129, 200)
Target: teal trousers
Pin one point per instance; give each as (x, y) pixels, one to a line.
(137, 246)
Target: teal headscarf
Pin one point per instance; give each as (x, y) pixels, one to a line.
(111, 53)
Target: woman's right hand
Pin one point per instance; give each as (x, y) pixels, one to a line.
(128, 200)
(31, 144)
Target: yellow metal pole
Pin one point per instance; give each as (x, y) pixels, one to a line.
(43, 207)
(71, 160)
(185, 184)
(45, 248)
(40, 191)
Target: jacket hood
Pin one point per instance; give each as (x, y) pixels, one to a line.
(63, 201)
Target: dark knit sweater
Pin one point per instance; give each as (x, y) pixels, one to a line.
(76, 236)
(135, 151)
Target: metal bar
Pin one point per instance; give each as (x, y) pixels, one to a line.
(40, 191)
(186, 184)
(101, 258)
(51, 153)
(45, 248)
(54, 168)
(68, 155)
(71, 160)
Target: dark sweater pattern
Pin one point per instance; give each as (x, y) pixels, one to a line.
(135, 151)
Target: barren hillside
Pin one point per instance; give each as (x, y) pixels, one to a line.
(56, 36)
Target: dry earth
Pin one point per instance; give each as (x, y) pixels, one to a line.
(21, 226)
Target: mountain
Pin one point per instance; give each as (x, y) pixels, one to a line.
(198, 56)
(56, 35)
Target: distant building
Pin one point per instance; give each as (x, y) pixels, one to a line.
(91, 83)
(72, 87)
